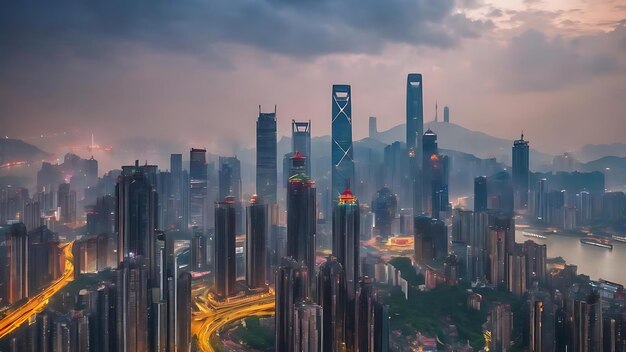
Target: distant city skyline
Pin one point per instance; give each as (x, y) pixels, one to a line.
(551, 69)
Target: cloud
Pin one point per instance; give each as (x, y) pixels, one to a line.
(536, 62)
(293, 28)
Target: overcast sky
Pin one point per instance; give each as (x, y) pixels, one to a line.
(196, 71)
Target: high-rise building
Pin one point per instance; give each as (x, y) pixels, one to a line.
(230, 185)
(346, 239)
(372, 333)
(183, 310)
(136, 218)
(301, 142)
(256, 246)
(332, 297)
(480, 194)
(536, 326)
(198, 252)
(373, 130)
(446, 114)
(266, 157)
(198, 206)
(291, 287)
(301, 216)
(16, 261)
(132, 305)
(178, 190)
(342, 152)
(536, 257)
(307, 332)
(225, 265)
(67, 203)
(414, 134)
(521, 172)
(385, 208)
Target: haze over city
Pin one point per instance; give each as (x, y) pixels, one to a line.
(313, 176)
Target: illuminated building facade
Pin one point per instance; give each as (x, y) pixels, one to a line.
(266, 157)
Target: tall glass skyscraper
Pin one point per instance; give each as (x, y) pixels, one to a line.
(414, 133)
(224, 255)
(301, 141)
(197, 188)
(521, 173)
(301, 216)
(342, 154)
(256, 238)
(346, 245)
(266, 169)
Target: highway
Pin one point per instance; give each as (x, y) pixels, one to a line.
(210, 315)
(17, 316)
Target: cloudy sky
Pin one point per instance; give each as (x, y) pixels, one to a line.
(196, 70)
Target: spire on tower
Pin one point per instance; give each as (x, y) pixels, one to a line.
(436, 112)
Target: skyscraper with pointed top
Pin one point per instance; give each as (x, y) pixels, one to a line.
(414, 133)
(342, 153)
(521, 173)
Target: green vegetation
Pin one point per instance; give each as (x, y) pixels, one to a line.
(256, 336)
(429, 312)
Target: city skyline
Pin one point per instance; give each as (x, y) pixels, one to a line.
(131, 76)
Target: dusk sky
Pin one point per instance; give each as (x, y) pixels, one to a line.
(196, 71)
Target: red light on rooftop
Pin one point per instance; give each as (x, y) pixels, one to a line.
(347, 197)
(298, 155)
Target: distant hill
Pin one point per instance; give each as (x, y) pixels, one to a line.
(454, 137)
(15, 150)
(591, 152)
(613, 168)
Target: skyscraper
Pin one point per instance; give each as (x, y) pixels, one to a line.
(446, 114)
(256, 237)
(346, 245)
(308, 327)
(301, 215)
(230, 185)
(291, 287)
(521, 172)
(373, 130)
(301, 141)
(136, 218)
(266, 158)
(132, 305)
(332, 297)
(197, 188)
(480, 194)
(225, 265)
(342, 153)
(414, 133)
(16, 259)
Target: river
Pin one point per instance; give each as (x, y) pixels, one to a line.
(593, 261)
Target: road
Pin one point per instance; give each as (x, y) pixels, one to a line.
(19, 315)
(210, 315)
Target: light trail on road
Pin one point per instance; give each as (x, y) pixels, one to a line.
(19, 315)
(211, 316)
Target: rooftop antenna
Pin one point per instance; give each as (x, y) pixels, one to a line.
(274, 109)
(259, 109)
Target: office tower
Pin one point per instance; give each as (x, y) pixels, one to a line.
(541, 202)
(373, 130)
(198, 206)
(183, 318)
(256, 247)
(291, 287)
(331, 296)
(301, 142)
(536, 326)
(342, 153)
(372, 332)
(32, 215)
(301, 216)
(480, 194)
(308, 327)
(67, 203)
(385, 208)
(594, 303)
(536, 257)
(132, 305)
(16, 262)
(198, 252)
(438, 231)
(451, 270)
(225, 267)
(178, 190)
(346, 240)
(562, 331)
(581, 331)
(446, 114)
(136, 218)
(422, 248)
(266, 157)
(230, 185)
(414, 112)
(521, 172)
(584, 208)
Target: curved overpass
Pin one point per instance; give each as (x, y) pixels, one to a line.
(17, 316)
(210, 315)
